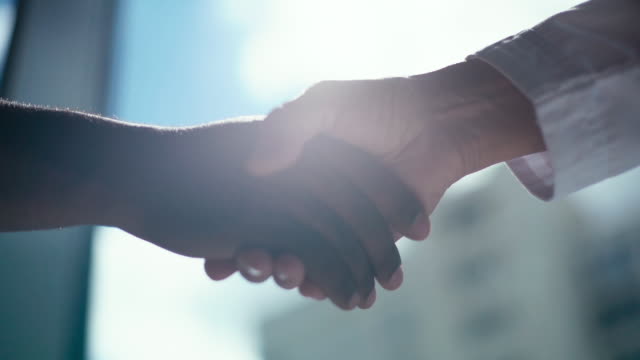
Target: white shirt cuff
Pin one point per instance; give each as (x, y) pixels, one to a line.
(588, 117)
(535, 173)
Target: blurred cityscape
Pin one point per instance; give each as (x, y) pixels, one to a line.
(501, 277)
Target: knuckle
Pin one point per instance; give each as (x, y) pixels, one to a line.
(324, 86)
(323, 93)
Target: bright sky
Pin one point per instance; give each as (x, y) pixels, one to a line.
(195, 61)
(294, 43)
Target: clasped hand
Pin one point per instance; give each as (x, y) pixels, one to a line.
(317, 193)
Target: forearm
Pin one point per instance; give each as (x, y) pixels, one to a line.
(504, 120)
(64, 168)
(60, 167)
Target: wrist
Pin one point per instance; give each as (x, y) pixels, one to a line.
(508, 129)
(149, 169)
(128, 157)
(489, 119)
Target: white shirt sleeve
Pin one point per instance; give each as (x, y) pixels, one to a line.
(581, 71)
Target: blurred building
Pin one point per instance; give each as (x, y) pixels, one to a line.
(613, 274)
(503, 276)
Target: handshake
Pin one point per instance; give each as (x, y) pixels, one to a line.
(317, 193)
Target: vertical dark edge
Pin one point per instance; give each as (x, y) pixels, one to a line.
(78, 337)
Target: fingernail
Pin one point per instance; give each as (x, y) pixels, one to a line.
(284, 280)
(254, 265)
(254, 272)
(395, 280)
(370, 300)
(420, 227)
(282, 276)
(288, 272)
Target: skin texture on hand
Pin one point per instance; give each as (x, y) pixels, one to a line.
(429, 130)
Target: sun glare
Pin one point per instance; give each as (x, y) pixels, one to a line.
(294, 43)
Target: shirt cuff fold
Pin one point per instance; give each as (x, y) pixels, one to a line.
(579, 111)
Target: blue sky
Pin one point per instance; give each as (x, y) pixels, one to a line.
(176, 64)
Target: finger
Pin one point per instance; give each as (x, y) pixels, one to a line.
(219, 269)
(286, 234)
(325, 268)
(368, 303)
(319, 211)
(273, 222)
(328, 184)
(398, 204)
(288, 271)
(255, 265)
(394, 281)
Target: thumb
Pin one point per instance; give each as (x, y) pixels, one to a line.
(281, 140)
